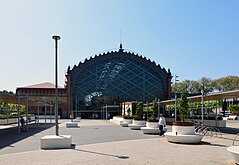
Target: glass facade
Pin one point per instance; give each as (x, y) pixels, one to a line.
(115, 77)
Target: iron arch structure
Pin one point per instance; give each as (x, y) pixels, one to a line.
(114, 77)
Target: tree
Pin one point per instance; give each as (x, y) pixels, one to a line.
(139, 109)
(8, 92)
(183, 106)
(206, 84)
(195, 87)
(155, 108)
(226, 83)
(234, 108)
(5, 109)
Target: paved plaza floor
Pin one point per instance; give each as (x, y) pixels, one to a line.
(100, 142)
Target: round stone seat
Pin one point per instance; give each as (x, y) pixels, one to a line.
(150, 130)
(123, 124)
(180, 138)
(135, 126)
(72, 125)
(234, 151)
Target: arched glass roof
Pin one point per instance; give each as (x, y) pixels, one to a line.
(117, 76)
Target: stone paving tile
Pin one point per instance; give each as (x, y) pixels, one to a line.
(94, 146)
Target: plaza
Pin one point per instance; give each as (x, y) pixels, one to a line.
(102, 142)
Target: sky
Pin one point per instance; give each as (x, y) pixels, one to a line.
(194, 39)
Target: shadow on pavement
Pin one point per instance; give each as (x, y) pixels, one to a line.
(212, 144)
(229, 130)
(10, 135)
(100, 153)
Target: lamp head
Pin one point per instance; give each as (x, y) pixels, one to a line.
(56, 37)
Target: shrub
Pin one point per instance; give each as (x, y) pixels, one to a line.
(183, 108)
(152, 120)
(234, 108)
(139, 109)
(128, 117)
(219, 118)
(137, 118)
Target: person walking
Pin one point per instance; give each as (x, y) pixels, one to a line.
(162, 124)
(22, 121)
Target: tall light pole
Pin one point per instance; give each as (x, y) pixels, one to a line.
(18, 110)
(27, 112)
(175, 108)
(202, 106)
(147, 108)
(38, 102)
(158, 107)
(56, 38)
(106, 112)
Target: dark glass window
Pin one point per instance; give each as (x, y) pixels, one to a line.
(113, 78)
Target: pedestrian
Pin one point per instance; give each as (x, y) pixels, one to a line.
(22, 121)
(162, 124)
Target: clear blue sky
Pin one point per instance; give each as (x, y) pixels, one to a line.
(194, 39)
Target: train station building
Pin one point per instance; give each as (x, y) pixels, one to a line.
(109, 78)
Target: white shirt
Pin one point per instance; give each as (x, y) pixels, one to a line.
(162, 121)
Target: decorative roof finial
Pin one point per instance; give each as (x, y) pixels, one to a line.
(121, 47)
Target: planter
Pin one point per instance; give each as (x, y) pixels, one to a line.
(8, 121)
(184, 130)
(117, 120)
(179, 123)
(152, 124)
(128, 121)
(185, 139)
(125, 122)
(234, 151)
(138, 122)
(183, 133)
(151, 128)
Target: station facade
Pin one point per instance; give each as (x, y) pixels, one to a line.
(110, 78)
(103, 81)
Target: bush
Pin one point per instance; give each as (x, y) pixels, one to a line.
(152, 120)
(137, 118)
(5, 116)
(209, 118)
(128, 117)
(139, 109)
(234, 108)
(219, 118)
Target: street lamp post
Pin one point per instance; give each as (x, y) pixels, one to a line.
(158, 107)
(18, 110)
(50, 112)
(106, 112)
(27, 112)
(175, 108)
(202, 107)
(45, 110)
(56, 38)
(38, 102)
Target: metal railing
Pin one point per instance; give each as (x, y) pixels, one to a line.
(233, 142)
(208, 131)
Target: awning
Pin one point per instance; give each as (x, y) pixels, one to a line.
(210, 96)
